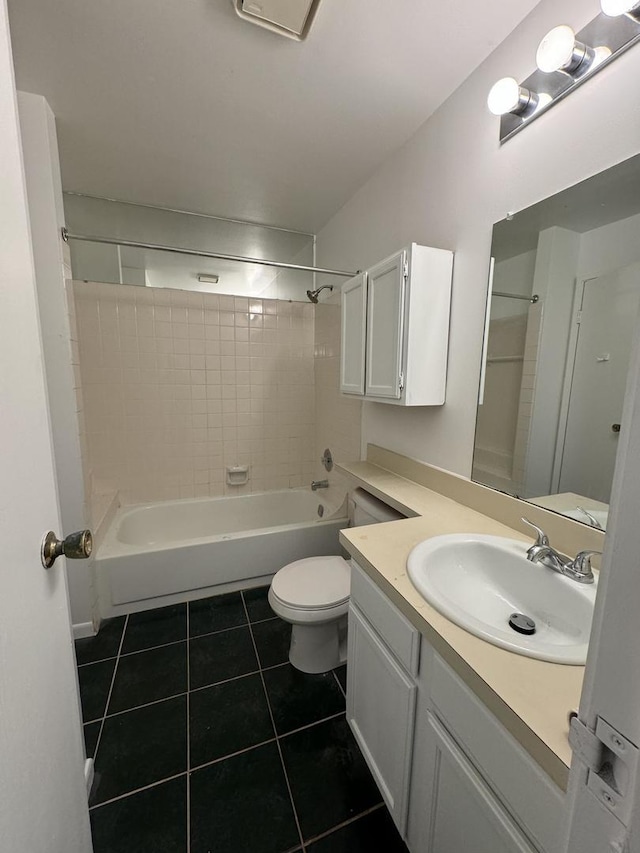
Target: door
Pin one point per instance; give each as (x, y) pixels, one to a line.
(607, 317)
(353, 334)
(600, 819)
(43, 799)
(385, 319)
(381, 702)
(464, 813)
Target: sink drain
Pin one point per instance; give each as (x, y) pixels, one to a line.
(522, 624)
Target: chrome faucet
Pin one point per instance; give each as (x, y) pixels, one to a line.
(319, 484)
(578, 569)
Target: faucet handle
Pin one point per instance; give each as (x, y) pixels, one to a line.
(542, 539)
(581, 563)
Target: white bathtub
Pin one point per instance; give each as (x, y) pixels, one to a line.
(178, 547)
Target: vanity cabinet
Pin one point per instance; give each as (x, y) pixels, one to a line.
(395, 328)
(381, 707)
(463, 813)
(451, 775)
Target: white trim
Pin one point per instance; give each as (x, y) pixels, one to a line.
(569, 368)
(88, 774)
(485, 340)
(83, 629)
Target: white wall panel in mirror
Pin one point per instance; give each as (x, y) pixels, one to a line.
(556, 368)
(119, 264)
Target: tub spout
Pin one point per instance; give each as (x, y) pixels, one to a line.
(319, 484)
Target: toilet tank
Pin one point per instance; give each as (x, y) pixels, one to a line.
(367, 509)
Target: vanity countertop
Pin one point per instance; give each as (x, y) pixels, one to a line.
(531, 698)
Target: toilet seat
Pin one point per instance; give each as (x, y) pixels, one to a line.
(313, 584)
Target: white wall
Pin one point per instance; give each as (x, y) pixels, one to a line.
(609, 248)
(450, 183)
(46, 214)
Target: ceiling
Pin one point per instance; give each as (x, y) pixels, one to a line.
(180, 103)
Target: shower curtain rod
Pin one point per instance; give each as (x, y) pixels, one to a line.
(156, 247)
(533, 299)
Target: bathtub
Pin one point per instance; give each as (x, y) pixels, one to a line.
(176, 548)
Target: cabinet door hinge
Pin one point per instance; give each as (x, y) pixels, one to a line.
(578, 317)
(401, 381)
(612, 762)
(405, 270)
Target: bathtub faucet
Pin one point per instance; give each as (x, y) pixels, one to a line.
(319, 484)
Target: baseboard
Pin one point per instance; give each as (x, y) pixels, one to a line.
(88, 774)
(83, 629)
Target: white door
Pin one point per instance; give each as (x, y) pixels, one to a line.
(353, 334)
(381, 707)
(385, 318)
(607, 318)
(43, 800)
(602, 820)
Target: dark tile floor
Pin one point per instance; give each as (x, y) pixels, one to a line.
(206, 739)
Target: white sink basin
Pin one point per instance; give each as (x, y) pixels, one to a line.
(478, 582)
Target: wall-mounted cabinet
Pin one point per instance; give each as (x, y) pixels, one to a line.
(395, 329)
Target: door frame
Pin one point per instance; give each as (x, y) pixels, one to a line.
(569, 367)
(611, 688)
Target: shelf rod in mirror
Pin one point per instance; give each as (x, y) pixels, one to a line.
(220, 256)
(533, 299)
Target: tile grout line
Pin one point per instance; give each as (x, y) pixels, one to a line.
(175, 642)
(178, 695)
(265, 742)
(113, 678)
(188, 742)
(345, 823)
(155, 784)
(342, 690)
(264, 687)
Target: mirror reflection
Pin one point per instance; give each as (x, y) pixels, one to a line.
(562, 311)
(121, 264)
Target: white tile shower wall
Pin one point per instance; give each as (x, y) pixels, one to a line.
(178, 385)
(338, 418)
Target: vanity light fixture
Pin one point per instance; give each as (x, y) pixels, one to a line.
(559, 50)
(565, 59)
(613, 8)
(507, 96)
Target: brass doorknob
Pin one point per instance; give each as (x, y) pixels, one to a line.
(75, 546)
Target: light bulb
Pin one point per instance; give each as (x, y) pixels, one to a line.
(559, 51)
(507, 96)
(613, 8)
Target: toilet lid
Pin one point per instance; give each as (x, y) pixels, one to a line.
(313, 584)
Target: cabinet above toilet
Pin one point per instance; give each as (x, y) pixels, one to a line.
(395, 328)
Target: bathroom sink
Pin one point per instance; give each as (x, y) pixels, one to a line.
(479, 582)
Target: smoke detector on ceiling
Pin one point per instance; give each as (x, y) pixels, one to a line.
(291, 18)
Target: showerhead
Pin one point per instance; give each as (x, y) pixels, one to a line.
(312, 295)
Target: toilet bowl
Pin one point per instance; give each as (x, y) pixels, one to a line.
(313, 595)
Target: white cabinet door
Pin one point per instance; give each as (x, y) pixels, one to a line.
(462, 811)
(354, 321)
(385, 317)
(381, 701)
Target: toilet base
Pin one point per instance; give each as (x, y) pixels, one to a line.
(319, 648)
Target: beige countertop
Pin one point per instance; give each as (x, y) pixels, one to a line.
(531, 698)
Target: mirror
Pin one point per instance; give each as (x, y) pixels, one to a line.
(121, 264)
(562, 311)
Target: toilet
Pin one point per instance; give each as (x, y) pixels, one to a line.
(313, 595)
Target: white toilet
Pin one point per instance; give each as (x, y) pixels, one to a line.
(313, 594)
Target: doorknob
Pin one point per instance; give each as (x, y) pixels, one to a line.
(615, 427)
(76, 546)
